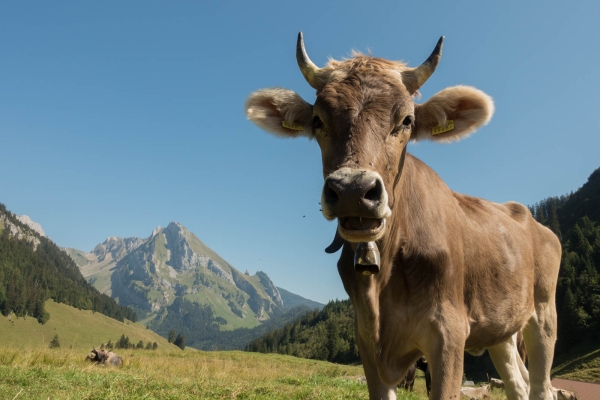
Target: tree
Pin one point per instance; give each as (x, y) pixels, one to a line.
(54, 343)
(171, 336)
(140, 345)
(149, 346)
(123, 342)
(180, 341)
(154, 346)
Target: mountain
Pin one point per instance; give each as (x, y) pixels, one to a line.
(24, 219)
(584, 202)
(172, 263)
(291, 300)
(33, 269)
(98, 265)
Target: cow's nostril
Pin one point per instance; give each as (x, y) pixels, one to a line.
(375, 193)
(331, 197)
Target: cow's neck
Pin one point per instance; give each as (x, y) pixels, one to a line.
(415, 228)
(418, 215)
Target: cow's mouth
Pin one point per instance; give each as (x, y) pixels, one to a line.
(361, 229)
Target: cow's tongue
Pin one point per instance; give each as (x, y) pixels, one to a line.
(356, 223)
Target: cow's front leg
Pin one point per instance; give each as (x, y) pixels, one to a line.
(444, 351)
(377, 388)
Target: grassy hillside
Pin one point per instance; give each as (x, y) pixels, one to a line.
(81, 329)
(291, 300)
(580, 365)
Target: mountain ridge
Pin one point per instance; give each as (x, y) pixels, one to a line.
(148, 274)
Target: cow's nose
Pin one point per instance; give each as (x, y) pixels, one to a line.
(349, 194)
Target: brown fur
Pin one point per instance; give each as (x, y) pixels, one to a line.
(457, 272)
(101, 356)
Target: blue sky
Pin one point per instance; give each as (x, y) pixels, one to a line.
(117, 117)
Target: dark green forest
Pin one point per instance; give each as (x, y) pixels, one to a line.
(575, 218)
(202, 330)
(322, 335)
(29, 277)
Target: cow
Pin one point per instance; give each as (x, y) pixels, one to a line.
(497, 383)
(409, 379)
(562, 394)
(429, 271)
(101, 356)
(522, 353)
(424, 366)
(472, 393)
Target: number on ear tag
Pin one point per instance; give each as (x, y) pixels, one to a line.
(448, 126)
(294, 127)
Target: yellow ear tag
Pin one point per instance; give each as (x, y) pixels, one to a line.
(294, 127)
(448, 126)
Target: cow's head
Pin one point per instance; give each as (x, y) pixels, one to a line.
(97, 355)
(362, 119)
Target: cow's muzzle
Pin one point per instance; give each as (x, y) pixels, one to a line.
(358, 199)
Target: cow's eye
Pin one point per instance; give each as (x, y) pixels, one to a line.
(317, 123)
(408, 120)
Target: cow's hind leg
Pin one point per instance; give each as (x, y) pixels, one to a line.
(540, 336)
(510, 366)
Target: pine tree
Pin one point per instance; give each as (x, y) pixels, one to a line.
(154, 346)
(140, 345)
(180, 341)
(171, 336)
(554, 224)
(54, 343)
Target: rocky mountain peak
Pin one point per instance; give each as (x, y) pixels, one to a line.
(270, 288)
(117, 247)
(24, 219)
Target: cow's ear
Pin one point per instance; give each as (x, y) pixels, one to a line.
(280, 111)
(452, 114)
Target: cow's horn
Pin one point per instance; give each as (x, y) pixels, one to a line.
(424, 71)
(338, 242)
(314, 75)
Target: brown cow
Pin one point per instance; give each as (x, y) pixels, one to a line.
(562, 394)
(472, 393)
(101, 356)
(409, 379)
(452, 272)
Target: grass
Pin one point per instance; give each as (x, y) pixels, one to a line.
(80, 329)
(581, 365)
(63, 374)
(60, 374)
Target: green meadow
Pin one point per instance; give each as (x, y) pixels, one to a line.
(30, 370)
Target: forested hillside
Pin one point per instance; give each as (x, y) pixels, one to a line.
(33, 269)
(322, 335)
(202, 328)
